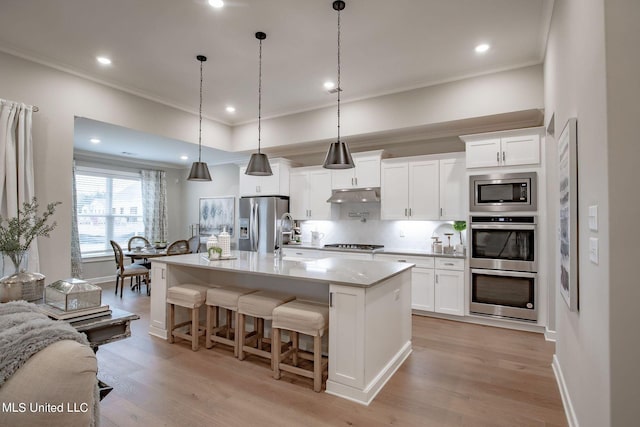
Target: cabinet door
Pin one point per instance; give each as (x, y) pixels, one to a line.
(424, 190)
(453, 189)
(270, 185)
(394, 198)
(481, 154)
(449, 292)
(521, 150)
(367, 172)
(422, 290)
(342, 178)
(346, 346)
(299, 195)
(319, 190)
(248, 184)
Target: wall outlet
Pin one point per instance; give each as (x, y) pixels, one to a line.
(593, 250)
(593, 218)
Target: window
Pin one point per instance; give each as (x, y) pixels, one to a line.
(109, 207)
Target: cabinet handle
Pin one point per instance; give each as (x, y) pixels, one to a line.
(409, 211)
(402, 260)
(330, 299)
(448, 263)
(309, 213)
(498, 156)
(405, 212)
(356, 178)
(436, 278)
(163, 277)
(440, 211)
(503, 156)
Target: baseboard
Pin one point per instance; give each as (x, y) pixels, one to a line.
(572, 420)
(100, 280)
(550, 335)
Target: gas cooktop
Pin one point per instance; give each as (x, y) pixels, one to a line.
(354, 246)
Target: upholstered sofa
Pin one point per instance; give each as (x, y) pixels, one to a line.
(55, 385)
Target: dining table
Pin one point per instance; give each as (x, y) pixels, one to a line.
(145, 253)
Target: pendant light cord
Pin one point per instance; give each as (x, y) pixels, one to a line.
(339, 87)
(200, 117)
(259, 93)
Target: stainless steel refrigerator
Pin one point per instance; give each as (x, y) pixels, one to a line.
(259, 220)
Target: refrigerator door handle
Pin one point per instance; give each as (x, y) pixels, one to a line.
(254, 226)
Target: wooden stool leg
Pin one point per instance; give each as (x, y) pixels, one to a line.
(275, 352)
(237, 337)
(259, 322)
(240, 328)
(195, 314)
(294, 340)
(228, 336)
(207, 338)
(317, 363)
(172, 318)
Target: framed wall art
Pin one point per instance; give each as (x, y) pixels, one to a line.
(216, 215)
(568, 213)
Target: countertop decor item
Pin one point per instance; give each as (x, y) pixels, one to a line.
(259, 163)
(16, 235)
(72, 294)
(460, 226)
(338, 156)
(199, 169)
(224, 240)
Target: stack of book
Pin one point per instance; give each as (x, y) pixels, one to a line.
(75, 315)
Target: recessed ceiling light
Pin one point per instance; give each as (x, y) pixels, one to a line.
(184, 157)
(216, 3)
(230, 109)
(482, 48)
(94, 141)
(329, 85)
(103, 60)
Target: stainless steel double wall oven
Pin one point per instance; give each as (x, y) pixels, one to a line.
(504, 266)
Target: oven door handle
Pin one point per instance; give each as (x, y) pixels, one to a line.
(504, 273)
(503, 227)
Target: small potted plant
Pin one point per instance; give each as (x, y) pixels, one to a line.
(460, 226)
(214, 252)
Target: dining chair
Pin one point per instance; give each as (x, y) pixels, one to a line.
(133, 243)
(194, 244)
(132, 270)
(178, 247)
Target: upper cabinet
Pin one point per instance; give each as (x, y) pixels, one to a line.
(366, 173)
(310, 187)
(507, 148)
(423, 188)
(274, 185)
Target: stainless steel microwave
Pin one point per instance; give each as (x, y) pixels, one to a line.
(503, 192)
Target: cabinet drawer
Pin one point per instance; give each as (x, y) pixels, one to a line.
(449, 263)
(419, 261)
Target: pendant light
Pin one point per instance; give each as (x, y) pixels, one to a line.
(199, 169)
(259, 163)
(338, 156)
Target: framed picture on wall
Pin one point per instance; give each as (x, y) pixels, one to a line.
(216, 215)
(568, 213)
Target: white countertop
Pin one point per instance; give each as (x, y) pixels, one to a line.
(359, 273)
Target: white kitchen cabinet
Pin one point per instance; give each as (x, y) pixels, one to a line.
(437, 283)
(453, 189)
(310, 187)
(349, 255)
(449, 286)
(366, 172)
(506, 148)
(274, 185)
(423, 188)
(302, 253)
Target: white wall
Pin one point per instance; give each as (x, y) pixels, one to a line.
(508, 91)
(598, 347)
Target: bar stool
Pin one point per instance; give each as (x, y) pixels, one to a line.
(189, 296)
(223, 297)
(300, 317)
(258, 305)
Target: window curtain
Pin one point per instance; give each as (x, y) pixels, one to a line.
(154, 205)
(76, 254)
(16, 164)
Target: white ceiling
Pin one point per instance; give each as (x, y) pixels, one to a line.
(387, 46)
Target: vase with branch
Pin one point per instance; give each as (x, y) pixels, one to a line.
(460, 226)
(16, 236)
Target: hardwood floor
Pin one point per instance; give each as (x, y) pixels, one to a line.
(459, 374)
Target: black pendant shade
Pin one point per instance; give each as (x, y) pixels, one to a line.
(259, 163)
(338, 156)
(199, 170)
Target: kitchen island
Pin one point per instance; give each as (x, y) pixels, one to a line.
(369, 315)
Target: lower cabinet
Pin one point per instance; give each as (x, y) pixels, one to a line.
(437, 284)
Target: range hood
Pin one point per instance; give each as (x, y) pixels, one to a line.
(355, 195)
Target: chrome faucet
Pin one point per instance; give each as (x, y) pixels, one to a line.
(281, 234)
